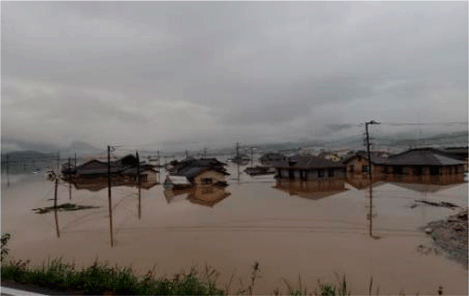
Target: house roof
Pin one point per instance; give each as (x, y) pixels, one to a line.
(202, 162)
(307, 162)
(423, 156)
(272, 156)
(127, 164)
(376, 157)
(134, 171)
(460, 153)
(191, 172)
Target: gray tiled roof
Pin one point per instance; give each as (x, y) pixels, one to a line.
(190, 172)
(307, 162)
(425, 156)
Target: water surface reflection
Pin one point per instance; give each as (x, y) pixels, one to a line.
(311, 189)
(205, 196)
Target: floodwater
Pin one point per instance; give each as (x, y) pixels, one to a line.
(291, 229)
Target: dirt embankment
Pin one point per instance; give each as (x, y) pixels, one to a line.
(451, 236)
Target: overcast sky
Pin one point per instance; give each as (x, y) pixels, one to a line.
(136, 73)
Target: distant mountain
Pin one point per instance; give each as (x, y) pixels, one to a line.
(26, 156)
(79, 145)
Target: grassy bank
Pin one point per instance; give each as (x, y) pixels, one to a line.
(103, 279)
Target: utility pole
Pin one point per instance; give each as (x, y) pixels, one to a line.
(369, 173)
(69, 179)
(237, 158)
(58, 160)
(159, 167)
(139, 191)
(8, 170)
(109, 191)
(251, 155)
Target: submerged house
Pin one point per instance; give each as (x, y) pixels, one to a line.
(460, 153)
(308, 167)
(126, 168)
(259, 170)
(426, 163)
(269, 158)
(329, 156)
(358, 163)
(204, 171)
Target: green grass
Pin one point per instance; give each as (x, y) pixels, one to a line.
(101, 278)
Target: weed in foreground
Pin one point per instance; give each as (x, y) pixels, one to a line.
(101, 278)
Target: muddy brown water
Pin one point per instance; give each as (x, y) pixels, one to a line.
(289, 230)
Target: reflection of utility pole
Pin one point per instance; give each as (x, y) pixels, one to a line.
(55, 205)
(57, 229)
(139, 192)
(109, 191)
(369, 173)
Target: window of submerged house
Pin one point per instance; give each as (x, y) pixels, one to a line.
(320, 173)
(331, 172)
(206, 181)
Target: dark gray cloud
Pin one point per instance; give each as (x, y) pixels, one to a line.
(169, 72)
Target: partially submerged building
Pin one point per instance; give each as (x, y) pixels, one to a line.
(259, 170)
(424, 162)
(423, 166)
(271, 157)
(308, 167)
(358, 163)
(126, 168)
(460, 153)
(329, 156)
(198, 172)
